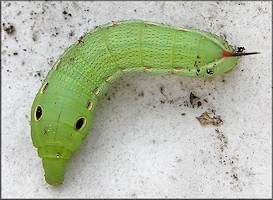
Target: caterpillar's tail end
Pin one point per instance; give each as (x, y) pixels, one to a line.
(54, 170)
(227, 54)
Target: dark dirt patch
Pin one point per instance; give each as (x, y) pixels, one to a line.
(9, 29)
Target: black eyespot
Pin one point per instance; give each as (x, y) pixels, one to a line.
(38, 113)
(80, 123)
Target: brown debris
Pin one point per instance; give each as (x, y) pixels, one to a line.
(206, 119)
(194, 100)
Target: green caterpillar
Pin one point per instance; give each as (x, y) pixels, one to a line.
(61, 114)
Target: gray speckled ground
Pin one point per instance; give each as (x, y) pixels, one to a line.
(140, 144)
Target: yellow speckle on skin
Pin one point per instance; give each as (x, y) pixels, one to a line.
(96, 91)
(183, 30)
(89, 105)
(108, 78)
(114, 24)
(152, 24)
(178, 69)
(57, 64)
(148, 68)
(44, 88)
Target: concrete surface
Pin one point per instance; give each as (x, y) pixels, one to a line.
(141, 144)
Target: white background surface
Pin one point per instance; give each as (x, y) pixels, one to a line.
(138, 145)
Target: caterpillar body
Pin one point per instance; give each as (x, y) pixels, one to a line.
(61, 114)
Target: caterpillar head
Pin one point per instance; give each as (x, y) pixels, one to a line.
(58, 126)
